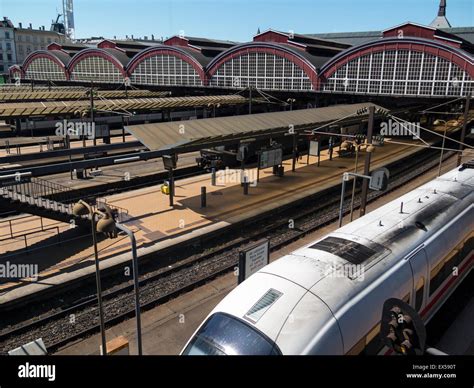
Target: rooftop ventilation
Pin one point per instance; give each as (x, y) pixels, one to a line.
(351, 251)
(263, 304)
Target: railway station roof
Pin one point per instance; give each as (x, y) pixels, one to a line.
(215, 131)
(26, 109)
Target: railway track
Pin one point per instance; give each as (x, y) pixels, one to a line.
(58, 328)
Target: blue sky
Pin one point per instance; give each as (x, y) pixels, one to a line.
(233, 19)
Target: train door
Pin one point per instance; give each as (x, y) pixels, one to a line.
(419, 268)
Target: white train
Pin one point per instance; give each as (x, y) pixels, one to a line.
(327, 297)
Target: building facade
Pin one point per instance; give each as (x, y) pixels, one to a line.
(28, 40)
(7, 45)
(17, 43)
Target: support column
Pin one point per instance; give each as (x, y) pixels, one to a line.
(365, 183)
(463, 132)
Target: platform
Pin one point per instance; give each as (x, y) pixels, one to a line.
(157, 226)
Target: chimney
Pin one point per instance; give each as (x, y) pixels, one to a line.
(115, 37)
(20, 25)
(42, 27)
(30, 27)
(126, 36)
(132, 37)
(152, 37)
(145, 37)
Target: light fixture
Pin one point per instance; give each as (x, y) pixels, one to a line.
(80, 209)
(344, 145)
(106, 225)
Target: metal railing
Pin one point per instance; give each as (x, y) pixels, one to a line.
(49, 195)
(24, 236)
(11, 224)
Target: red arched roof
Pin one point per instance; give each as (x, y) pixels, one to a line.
(459, 57)
(107, 54)
(48, 55)
(293, 55)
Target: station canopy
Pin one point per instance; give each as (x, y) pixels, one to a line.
(45, 94)
(204, 133)
(39, 108)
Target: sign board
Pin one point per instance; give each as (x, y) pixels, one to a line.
(253, 258)
(314, 148)
(170, 161)
(270, 158)
(101, 131)
(379, 179)
(243, 152)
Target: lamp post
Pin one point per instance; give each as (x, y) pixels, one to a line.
(291, 101)
(345, 146)
(368, 151)
(437, 122)
(82, 208)
(108, 226)
(463, 131)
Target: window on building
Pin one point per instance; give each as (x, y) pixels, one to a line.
(1, 57)
(9, 57)
(49, 40)
(9, 46)
(2, 68)
(7, 35)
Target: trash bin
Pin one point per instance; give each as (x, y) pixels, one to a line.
(80, 173)
(165, 189)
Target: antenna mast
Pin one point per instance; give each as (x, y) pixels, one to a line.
(68, 12)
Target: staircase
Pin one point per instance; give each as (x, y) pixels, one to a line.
(46, 199)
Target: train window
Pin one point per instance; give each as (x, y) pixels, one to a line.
(445, 267)
(223, 334)
(419, 293)
(358, 348)
(370, 344)
(373, 342)
(442, 271)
